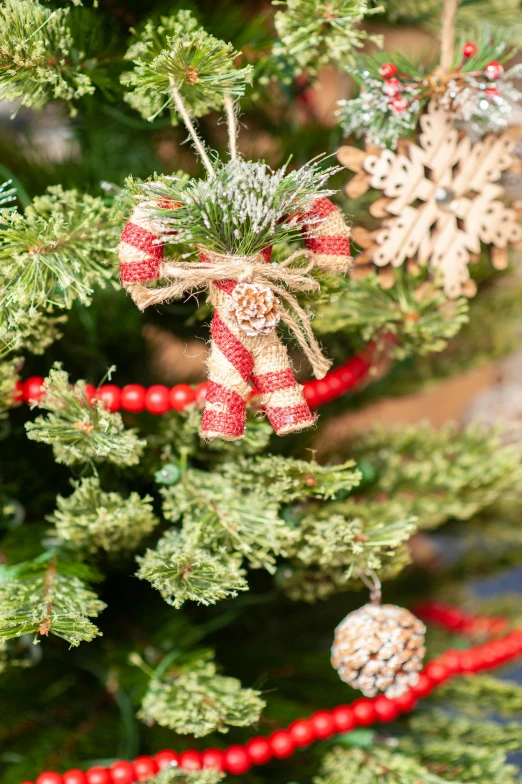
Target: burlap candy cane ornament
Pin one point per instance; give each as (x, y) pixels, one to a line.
(250, 296)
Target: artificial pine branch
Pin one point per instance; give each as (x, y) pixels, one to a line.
(181, 571)
(314, 33)
(361, 766)
(52, 254)
(8, 380)
(175, 775)
(38, 58)
(79, 431)
(91, 519)
(192, 699)
(48, 596)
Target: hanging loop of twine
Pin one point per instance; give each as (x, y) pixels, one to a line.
(282, 278)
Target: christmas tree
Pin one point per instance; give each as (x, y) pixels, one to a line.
(205, 205)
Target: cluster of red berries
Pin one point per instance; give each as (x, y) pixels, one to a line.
(158, 399)
(238, 760)
(393, 87)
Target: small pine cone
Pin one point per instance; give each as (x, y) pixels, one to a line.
(255, 308)
(379, 647)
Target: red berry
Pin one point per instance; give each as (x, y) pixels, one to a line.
(436, 671)
(74, 776)
(181, 396)
(165, 758)
(281, 744)
(145, 767)
(388, 70)
(302, 732)
(33, 392)
(363, 712)
(392, 87)
(406, 702)
(423, 686)
(237, 761)
(201, 393)
(98, 775)
(259, 751)
(157, 399)
(385, 709)
(213, 758)
(491, 91)
(19, 392)
(190, 760)
(110, 395)
(133, 398)
(493, 70)
(344, 719)
(323, 725)
(49, 776)
(123, 772)
(398, 105)
(469, 49)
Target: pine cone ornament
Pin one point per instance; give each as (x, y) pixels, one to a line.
(379, 647)
(255, 308)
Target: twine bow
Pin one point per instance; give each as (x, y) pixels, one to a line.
(214, 267)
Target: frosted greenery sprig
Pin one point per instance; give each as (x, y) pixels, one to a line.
(38, 58)
(179, 55)
(243, 209)
(314, 33)
(79, 431)
(368, 765)
(48, 596)
(193, 699)
(8, 379)
(174, 775)
(90, 519)
(418, 314)
(181, 571)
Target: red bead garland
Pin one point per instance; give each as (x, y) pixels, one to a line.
(159, 399)
(238, 760)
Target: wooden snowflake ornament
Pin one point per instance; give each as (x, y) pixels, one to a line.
(441, 199)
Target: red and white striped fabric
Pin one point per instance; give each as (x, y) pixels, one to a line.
(237, 360)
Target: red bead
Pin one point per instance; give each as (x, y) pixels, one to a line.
(493, 70)
(110, 395)
(181, 396)
(436, 672)
(451, 661)
(363, 712)
(213, 758)
(469, 49)
(74, 776)
(190, 760)
(281, 744)
(133, 398)
(467, 662)
(237, 760)
(157, 399)
(388, 70)
(49, 776)
(259, 751)
(90, 392)
(302, 732)
(33, 391)
(98, 775)
(398, 105)
(201, 393)
(165, 758)
(423, 686)
(123, 772)
(406, 702)
(323, 725)
(491, 91)
(145, 767)
(392, 87)
(385, 709)
(344, 719)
